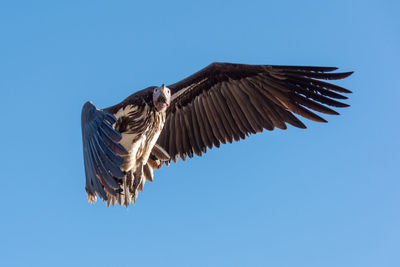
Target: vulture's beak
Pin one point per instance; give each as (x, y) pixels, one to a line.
(164, 96)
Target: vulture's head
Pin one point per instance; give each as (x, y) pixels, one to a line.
(161, 97)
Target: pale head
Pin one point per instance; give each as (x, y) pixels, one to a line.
(161, 97)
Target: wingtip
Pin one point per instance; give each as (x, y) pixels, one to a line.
(88, 104)
(345, 91)
(92, 198)
(328, 69)
(347, 74)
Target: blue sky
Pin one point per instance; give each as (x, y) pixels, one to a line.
(325, 196)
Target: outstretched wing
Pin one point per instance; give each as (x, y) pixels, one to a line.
(101, 152)
(225, 102)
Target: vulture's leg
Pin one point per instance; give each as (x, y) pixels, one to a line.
(138, 175)
(127, 183)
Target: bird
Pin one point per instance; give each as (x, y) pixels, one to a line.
(222, 103)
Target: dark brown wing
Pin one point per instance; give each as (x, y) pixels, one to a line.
(101, 153)
(226, 102)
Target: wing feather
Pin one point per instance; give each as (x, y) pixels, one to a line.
(101, 152)
(236, 110)
(178, 136)
(211, 116)
(272, 113)
(187, 120)
(225, 102)
(164, 143)
(248, 109)
(220, 119)
(204, 126)
(207, 122)
(105, 178)
(201, 130)
(200, 147)
(334, 87)
(258, 102)
(185, 137)
(222, 103)
(172, 138)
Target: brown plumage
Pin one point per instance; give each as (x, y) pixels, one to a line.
(230, 101)
(220, 104)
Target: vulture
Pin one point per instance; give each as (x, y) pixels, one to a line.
(219, 104)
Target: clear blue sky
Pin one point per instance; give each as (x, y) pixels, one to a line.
(325, 196)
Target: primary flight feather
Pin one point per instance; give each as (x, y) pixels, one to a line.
(221, 103)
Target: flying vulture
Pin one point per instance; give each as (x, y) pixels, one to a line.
(221, 103)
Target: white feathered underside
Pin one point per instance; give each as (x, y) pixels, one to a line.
(139, 145)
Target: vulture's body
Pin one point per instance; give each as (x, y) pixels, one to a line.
(222, 103)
